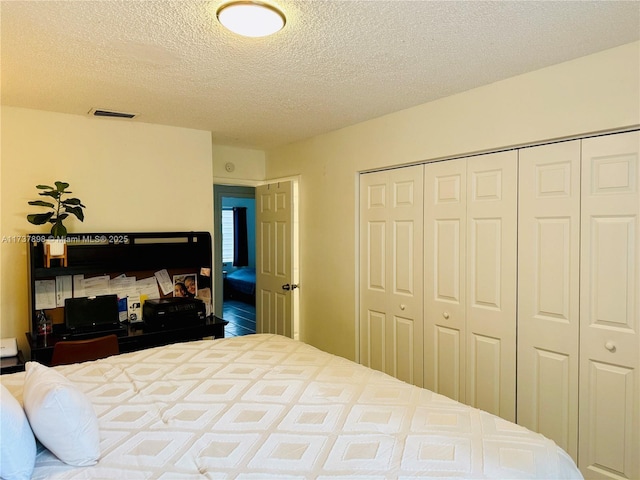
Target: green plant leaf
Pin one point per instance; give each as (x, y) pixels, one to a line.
(41, 203)
(58, 230)
(77, 211)
(39, 218)
(44, 187)
(61, 186)
(71, 201)
(52, 193)
(61, 217)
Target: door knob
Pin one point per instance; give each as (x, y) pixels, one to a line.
(402, 306)
(610, 346)
(445, 314)
(288, 287)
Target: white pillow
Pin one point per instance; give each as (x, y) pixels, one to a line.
(61, 416)
(18, 452)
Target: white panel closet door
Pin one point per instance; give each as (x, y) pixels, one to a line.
(470, 280)
(610, 308)
(391, 292)
(492, 210)
(548, 291)
(445, 214)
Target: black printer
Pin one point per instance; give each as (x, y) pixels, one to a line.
(175, 312)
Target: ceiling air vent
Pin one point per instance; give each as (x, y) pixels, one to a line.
(101, 112)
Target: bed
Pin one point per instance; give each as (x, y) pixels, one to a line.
(265, 406)
(241, 285)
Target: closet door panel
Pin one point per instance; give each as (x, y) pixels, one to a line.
(391, 293)
(444, 302)
(446, 361)
(610, 422)
(484, 269)
(375, 255)
(404, 349)
(373, 353)
(491, 254)
(610, 308)
(485, 359)
(373, 269)
(555, 415)
(612, 271)
(447, 243)
(548, 291)
(405, 253)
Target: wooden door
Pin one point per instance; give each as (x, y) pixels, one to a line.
(391, 272)
(274, 275)
(609, 445)
(492, 186)
(445, 213)
(548, 291)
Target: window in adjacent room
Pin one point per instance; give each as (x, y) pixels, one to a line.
(227, 235)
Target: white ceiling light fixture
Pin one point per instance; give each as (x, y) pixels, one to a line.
(251, 19)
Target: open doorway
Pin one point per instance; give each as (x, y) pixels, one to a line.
(235, 258)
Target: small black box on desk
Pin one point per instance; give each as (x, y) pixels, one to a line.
(164, 313)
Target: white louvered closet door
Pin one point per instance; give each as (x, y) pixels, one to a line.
(445, 223)
(609, 446)
(391, 232)
(548, 291)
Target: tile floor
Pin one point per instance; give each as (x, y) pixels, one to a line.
(241, 318)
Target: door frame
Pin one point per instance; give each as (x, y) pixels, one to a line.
(220, 191)
(224, 189)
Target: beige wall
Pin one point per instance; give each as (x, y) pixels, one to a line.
(591, 94)
(132, 177)
(248, 165)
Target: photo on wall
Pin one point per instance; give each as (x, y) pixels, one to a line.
(185, 285)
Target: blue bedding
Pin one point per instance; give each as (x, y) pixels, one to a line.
(243, 280)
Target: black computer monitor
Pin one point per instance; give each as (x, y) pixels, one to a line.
(91, 313)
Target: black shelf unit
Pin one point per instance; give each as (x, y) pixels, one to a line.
(132, 254)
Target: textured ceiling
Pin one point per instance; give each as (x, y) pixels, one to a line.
(335, 63)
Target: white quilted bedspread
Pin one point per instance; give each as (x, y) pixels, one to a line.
(264, 406)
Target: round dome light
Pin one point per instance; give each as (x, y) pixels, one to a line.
(251, 19)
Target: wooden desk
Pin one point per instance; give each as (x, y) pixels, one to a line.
(137, 338)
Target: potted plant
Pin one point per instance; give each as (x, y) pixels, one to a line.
(60, 207)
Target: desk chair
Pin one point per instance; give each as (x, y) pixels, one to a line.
(75, 351)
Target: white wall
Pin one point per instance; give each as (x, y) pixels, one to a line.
(132, 177)
(591, 94)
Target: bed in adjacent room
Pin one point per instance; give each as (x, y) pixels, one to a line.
(241, 285)
(265, 406)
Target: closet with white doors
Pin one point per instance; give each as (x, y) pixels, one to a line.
(578, 300)
(531, 272)
(391, 232)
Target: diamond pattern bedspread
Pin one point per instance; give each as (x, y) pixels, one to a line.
(265, 406)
